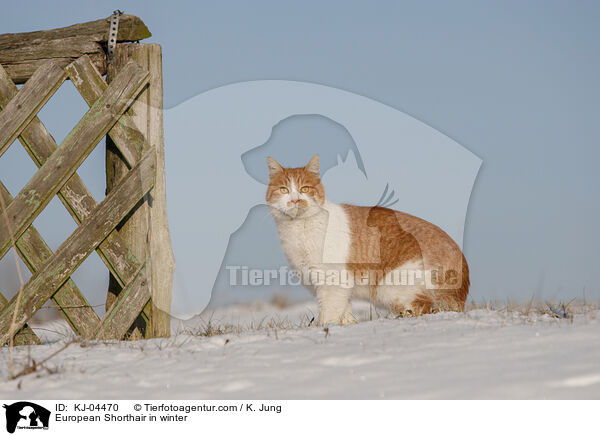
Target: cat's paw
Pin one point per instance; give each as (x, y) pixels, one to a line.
(348, 318)
(327, 319)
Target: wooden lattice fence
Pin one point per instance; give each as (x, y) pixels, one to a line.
(129, 110)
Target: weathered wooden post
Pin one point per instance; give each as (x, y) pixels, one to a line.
(146, 229)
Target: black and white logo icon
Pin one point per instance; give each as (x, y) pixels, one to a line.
(26, 415)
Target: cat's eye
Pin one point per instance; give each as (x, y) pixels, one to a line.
(304, 189)
(284, 190)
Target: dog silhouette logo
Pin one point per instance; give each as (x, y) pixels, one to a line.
(26, 415)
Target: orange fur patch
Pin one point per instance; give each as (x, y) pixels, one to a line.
(384, 239)
(379, 243)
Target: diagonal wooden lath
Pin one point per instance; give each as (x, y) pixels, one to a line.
(127, 306)
(63, 163)
(73, 306)
(80, 244)
(28, 102)
(125, 134)
(42, 148)
(25, 336)
(74, 195)
(77, 199)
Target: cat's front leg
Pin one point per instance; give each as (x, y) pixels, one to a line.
(334, 305)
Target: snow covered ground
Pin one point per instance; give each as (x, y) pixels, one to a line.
(273, 353)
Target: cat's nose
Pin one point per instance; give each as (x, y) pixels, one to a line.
(295, 200)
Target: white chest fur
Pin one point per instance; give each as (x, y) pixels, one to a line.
(336, 247)
(323, 238)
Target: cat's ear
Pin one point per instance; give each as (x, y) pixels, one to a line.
(274, 167)
(313, 166)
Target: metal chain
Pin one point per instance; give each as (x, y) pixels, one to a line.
(112, 35)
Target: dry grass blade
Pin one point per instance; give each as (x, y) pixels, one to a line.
(560, 311)
(32, 366)
(12, 331)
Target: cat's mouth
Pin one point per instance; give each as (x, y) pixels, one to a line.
(293, 210)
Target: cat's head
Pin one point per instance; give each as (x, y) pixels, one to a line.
(295, 192)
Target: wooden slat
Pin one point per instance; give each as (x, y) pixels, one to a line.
(73, 306)
(21, 53)
(80, 244)
(126, 307)
(28, 102)
(128, 139)
(161, 249)
(70, 47)
(151, 218)
(134, 229)
(75, 148)
(25, 336)
(20, 72)
(40, 145)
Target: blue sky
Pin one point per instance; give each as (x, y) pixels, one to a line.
(514, 82)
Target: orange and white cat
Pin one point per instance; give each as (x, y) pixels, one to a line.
(393, 259)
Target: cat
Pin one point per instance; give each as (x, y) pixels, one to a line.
(395, 260)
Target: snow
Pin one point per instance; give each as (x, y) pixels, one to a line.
(272, 353)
